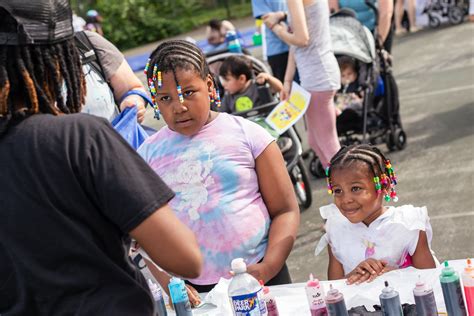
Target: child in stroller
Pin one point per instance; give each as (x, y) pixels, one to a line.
(351, 95)
(257, 107)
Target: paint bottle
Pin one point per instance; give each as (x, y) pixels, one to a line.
(245, 293)
(390, 302)
(335, 303)
(179, 297)
(270, 301)
(452, 292)
(315, 295)
(468, 283)
(424, 299)
(233, 43)
(160, 307)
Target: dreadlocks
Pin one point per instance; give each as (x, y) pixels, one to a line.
(32, 78)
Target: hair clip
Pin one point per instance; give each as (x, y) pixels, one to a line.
(180, 94)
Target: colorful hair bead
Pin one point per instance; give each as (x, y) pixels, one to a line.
(218, 98)
(378, 187)
(387, 197)
(160, 82)
(180, 94)
(147, 66)
(328, 181)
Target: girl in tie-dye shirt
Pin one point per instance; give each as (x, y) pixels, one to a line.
(232, 187)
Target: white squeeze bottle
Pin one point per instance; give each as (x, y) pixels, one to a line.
(245, 293)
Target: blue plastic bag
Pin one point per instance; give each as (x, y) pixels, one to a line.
(126, 125)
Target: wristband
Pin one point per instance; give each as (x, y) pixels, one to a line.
(140, 93)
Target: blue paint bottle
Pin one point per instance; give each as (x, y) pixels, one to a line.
(452, 292)
(179, 297)
(390, 302)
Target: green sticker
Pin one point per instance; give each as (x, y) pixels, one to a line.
(243, 103)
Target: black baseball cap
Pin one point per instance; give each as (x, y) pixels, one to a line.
(35, 22)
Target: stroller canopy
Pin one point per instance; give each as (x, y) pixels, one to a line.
(349, 37)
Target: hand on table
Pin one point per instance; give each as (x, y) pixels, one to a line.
(368, 270)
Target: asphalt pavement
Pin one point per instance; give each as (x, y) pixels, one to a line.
(434, 69)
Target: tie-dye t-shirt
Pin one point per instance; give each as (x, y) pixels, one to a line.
(217, 193)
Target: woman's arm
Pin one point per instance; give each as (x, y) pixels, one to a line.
(123, 81)
(335, 269)
(300, 35)
(279, 197)
(169, 243)
(385, 19)
(422, 257)
(289, 75)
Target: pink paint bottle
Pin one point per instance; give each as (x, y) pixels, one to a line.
(315, 295)
(468, 284)
(270, 301)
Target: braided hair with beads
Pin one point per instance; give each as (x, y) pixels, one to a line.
(172, 55)
(378, 164)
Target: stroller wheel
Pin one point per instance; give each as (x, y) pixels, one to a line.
(302, 186)
(456, 15)
(316, 168)
(434, 21)
(397, 140)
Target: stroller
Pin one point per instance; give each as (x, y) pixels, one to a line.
(379, 120)
(455, 10)
(292, 155)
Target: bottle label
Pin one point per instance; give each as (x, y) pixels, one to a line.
(315, 297)
(246, 305)
(261, 302)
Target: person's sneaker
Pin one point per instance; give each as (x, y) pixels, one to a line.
(284, 143)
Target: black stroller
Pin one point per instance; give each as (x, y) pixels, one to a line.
(292, 156)
(379, 119)
(455, 10)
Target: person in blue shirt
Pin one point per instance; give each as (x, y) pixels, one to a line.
(366, 16)
(276, 50)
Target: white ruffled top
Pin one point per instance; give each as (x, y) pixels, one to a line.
(391, 236)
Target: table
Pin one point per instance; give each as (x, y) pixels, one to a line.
(291, 298)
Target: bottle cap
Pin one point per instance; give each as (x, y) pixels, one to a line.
(387, 289)
(447, 270)
(469, 269)
(258, 22)
(238, 265)
(312, 282)
(266, 290)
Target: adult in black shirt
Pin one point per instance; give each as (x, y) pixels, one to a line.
(72, 192)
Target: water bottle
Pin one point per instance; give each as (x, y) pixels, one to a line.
(424, 299)
(390, 302)
(452, 292)
(315, 294)
(257, 36)
(160, 306)
(468, 283)
(233, 43)
(179, 297)
(245, 293)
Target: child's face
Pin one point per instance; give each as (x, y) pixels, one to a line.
(355, 194)
(189, 117)
(348, 75)
(233, 84)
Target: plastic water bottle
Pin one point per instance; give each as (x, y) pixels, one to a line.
(390, 302)
(179, 297)
(452, 292)
(245, 293)
(315, 295)
(233, 43)
(468, 283)
(160, 306)
(424, 299)
(257, 36)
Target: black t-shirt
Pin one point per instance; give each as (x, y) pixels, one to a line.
(70, 191)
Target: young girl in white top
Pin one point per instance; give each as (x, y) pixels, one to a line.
(366, 238)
